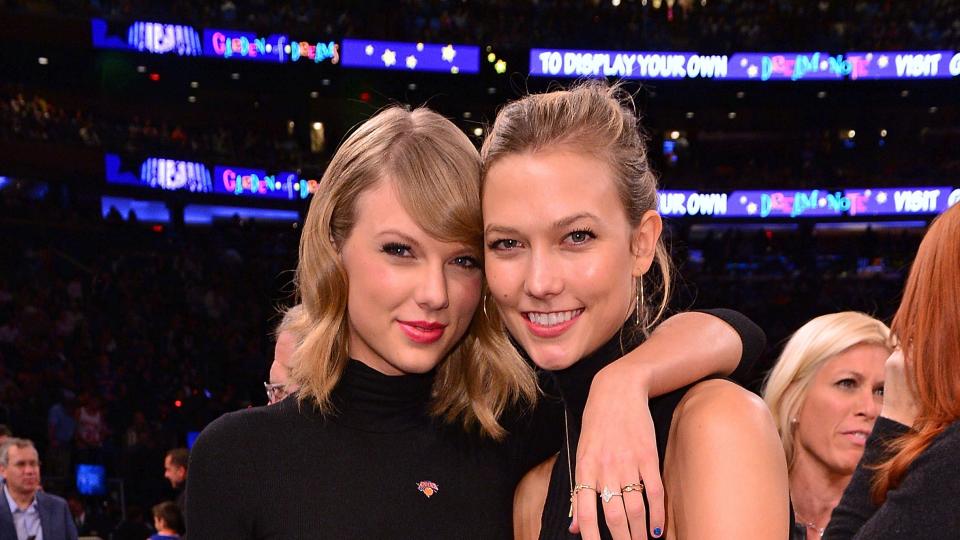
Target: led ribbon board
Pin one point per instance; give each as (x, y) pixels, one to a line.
(790, 204)
(276, 48)
(152, 37)
(793, 66)
(403, 56)
(179, 175)
(906, 64)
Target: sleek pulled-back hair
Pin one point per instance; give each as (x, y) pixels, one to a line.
(808, 349)
(596, 119)
(435, 171)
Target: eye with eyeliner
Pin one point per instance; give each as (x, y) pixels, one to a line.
(467, 262)
(580, 237)
(396, 249)
(504, 244)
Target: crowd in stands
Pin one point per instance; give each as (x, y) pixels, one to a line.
(704, 25)
(25, 116)
(744, 158)
(117, 341)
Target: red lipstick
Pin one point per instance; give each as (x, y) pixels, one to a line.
(424, 332)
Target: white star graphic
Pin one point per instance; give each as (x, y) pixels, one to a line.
(752, 208)
(448, 53)
(389, 58)
(743, 62)
(411, 61)
(368, 50)
(882, 197)
(743, 199)
(869, 56)
(867, 193)
(883, 61)
(752, 71)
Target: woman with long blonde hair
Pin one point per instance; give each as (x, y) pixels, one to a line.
(907, 482)
(415, 413)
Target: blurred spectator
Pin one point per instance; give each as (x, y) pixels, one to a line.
(175, 466)
(280, 384)
(168, 521)
(23, 503)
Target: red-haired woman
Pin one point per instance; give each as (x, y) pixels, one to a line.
(907, 482)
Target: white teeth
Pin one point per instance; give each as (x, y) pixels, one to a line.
(552, 319)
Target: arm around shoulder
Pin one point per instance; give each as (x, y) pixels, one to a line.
(725, 471)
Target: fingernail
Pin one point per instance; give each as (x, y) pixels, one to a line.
(657, 532)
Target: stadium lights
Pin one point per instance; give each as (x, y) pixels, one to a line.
(141, 69)
(741, 94)
(467, 115)
(194, 84)
(883, 133)
(491, 58)
(317, 126)
(690, 114)
(235, 76)
(43, 60)
(933, 110)
(674, 135)
(904, 93)
(731, 115)
(314, 94)
(491, 90)
(325, 82)
(192, 99)
(412, 86)
(478, 132)
(500, 67)
(821, 94)
(616, 3)
(851, 134)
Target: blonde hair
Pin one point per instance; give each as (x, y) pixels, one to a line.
(436, 172)
(596, 119)
(289, 320)
(809, 348)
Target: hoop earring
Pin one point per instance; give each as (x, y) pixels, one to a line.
(484, 304)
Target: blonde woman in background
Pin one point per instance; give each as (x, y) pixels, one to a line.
(825, 393)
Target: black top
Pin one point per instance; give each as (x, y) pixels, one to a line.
(923, 506)
(574, 386)
(379, 468)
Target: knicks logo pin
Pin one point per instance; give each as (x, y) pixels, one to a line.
(427, 488)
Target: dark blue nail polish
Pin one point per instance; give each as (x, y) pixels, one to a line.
(657, 532)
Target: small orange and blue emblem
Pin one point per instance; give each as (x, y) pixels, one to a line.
(427, 488)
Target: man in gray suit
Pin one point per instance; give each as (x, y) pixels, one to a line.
(26, 513)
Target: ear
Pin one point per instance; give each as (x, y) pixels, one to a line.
(643, 242)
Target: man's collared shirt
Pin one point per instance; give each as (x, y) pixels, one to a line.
(26, 522)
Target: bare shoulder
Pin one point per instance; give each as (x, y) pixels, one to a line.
(720, 405)
(529, 499)
(725, 466)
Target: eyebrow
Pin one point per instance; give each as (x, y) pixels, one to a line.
(403, 236)
(561, 223)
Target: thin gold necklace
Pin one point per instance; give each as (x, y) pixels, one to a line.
(566, 439)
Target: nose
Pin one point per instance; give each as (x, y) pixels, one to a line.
(543, 278)
(869, 404)
(431, 292)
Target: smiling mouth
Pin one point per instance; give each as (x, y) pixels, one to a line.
(553, 318)
(859, 437)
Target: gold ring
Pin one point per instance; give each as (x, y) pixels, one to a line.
(577, 488)
(632, 487)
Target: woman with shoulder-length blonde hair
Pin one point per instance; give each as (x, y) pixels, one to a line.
(907, 482)
(411, 418)
(825, 393)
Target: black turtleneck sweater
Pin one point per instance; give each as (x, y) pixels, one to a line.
(286, 472)
(573, 385)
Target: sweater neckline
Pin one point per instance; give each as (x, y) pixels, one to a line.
(368, 400)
